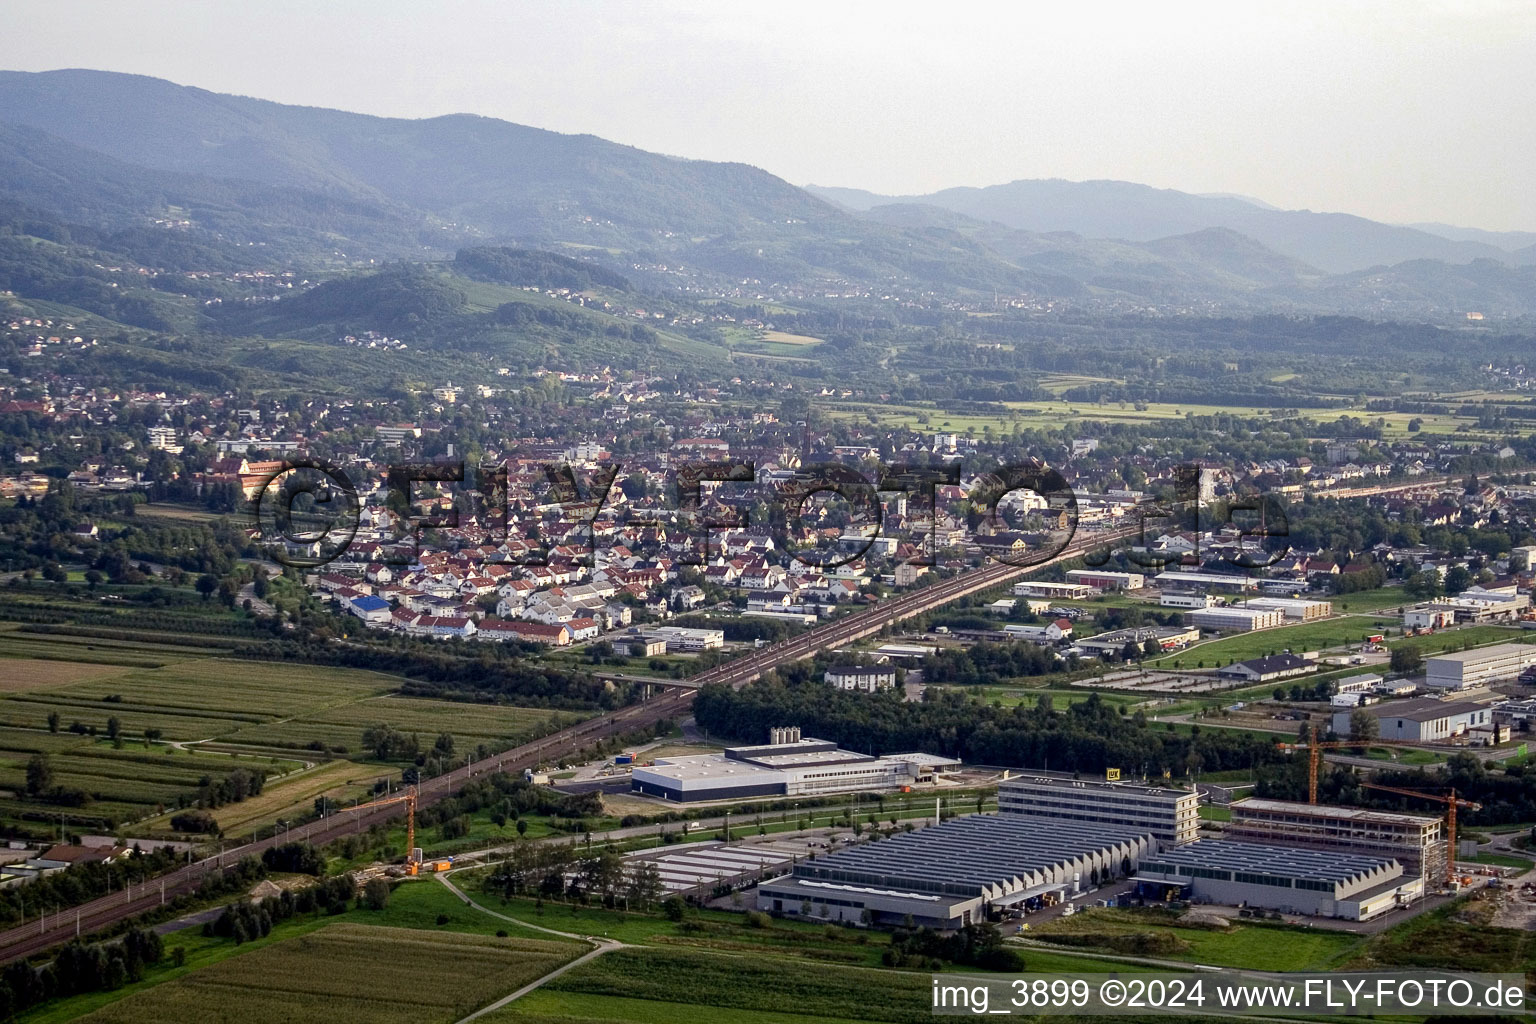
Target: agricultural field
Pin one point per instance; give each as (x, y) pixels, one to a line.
(23, 674)
(672, 986)
(124, 785)
(195, 700)
(294, 795)
(17, 645)
(263, 716)
(785, 338)
(342, 725)
(1057, 413)
(348, 972)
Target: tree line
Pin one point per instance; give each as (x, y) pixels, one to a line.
(1089, 737)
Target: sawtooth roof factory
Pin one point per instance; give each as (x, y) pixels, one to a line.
(1281, 878)
(949, 875)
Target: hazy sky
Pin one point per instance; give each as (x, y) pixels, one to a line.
(1401, 110)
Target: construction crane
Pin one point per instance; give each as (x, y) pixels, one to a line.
(1451, 801)
(1315, 747)
(409, 799)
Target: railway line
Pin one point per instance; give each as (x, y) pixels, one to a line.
(49, 930)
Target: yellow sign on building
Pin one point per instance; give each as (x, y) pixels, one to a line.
(1112, 775)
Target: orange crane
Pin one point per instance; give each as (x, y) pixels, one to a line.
(1315, 748)
(409, 799)
(1451, 801)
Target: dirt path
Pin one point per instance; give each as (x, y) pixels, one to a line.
(599, 947)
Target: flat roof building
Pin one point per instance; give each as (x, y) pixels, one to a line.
(1297, 608)
(1463, 669)
(1282, 878)
(1363, 683)
(789, 766)
(682, 638)
(1055, 591)
(949, 875)
(1417, 841)
(1238, 619)
(1099, 579)
(1169, 813)
(1223, 583)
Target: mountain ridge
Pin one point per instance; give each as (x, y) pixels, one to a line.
(1335, 242)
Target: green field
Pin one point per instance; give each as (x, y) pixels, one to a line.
(124, 785)
(1458, 934)
(671, 986)
(412, 905)
(260, 715)
(348, 972)
(1243, 944)
(1465, 636)
(1305, 636)
(342, 725)
(1058, 414)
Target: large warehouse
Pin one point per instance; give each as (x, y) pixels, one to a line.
(1416, 841)
(1169, 813)
(789, 766)
(1293, 607)
(947, 876)
(1235, 619)
(1463, 669)
(1426, 719)
(1280, 878)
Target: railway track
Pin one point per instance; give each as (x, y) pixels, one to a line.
(50, 930)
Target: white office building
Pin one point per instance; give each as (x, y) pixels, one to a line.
(1237, 619)
(1296, 608)
(1460, 670)
(1167, 812)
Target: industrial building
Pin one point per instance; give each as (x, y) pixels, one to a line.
(1212, 582)
(1170, 814)
(1497, 604)
(681, 638)
(953, 874)
(1099, 579)
(1054, 591)
(1416, 841)
(1463, 669)
(1429, 616)
(1169, 638)
(786, 766)
(1280, 878)
(1300, 609)
(1426, 720)
(1237, 619)
(1173, 599)
(1366, 682)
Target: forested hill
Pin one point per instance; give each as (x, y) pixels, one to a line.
(505, 177)
(309, 189)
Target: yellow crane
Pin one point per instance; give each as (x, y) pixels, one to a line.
(409, 799)
(1315, 747)
(1451, 801)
